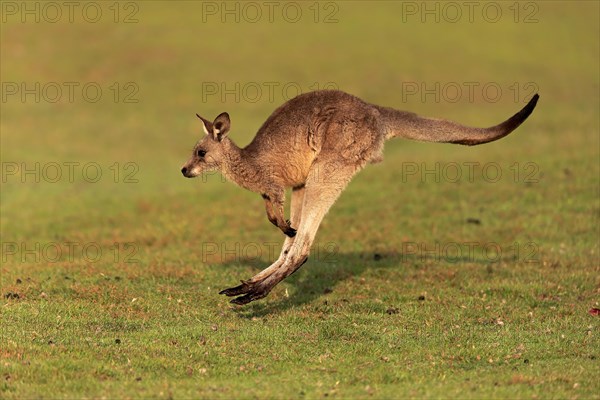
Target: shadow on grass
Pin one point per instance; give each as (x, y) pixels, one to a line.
(316, 279)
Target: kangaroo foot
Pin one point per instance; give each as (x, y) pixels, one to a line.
(251, 291)
(245, 287)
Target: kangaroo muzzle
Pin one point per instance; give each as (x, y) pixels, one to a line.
(188, 172)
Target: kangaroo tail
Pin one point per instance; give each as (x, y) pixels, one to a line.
(411, 126)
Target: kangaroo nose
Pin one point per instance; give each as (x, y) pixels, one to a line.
(184, 171)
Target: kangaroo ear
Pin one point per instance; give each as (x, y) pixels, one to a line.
(221, 126)
(206, 125)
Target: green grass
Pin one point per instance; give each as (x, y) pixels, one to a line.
(378, 311)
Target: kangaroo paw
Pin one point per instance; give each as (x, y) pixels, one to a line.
(288, 230)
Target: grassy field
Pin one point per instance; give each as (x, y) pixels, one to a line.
(442, 272)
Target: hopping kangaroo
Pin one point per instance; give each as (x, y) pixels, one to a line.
(315, 143)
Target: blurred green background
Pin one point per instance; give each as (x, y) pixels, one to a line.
(158, 63)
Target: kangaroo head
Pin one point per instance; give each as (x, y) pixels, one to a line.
(209, 152)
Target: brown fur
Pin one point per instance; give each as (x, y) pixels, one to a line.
(315, 143)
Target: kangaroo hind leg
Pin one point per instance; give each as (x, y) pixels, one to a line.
(295, 214)
(321, 192)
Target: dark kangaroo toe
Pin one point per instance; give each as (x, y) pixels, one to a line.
(245, 287)
(250, 297)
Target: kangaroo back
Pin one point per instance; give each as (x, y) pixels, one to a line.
(412, 126)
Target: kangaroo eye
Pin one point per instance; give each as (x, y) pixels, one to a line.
(201, 153)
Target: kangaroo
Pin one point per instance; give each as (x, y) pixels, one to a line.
(315, 143)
